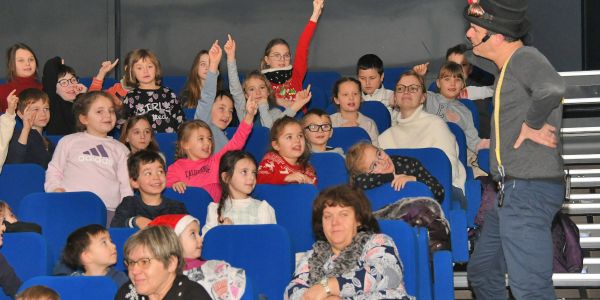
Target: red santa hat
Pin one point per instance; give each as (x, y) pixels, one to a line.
(177, 222)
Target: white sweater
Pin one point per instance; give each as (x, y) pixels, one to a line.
(241, 212)
(7, 125)
(424, 130)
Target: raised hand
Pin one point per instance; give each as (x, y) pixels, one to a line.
(105, 68)
(229, 48)
(302, 98)
(251, 109)
(12, 101)
(80, 88)
(214, 55)
(421, 69)
(317, 10)
(29, 117)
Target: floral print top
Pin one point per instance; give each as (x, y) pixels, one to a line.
(377, 274)
(161, 106)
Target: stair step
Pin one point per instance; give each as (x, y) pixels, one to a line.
(581, 208)
(572, 130)
(582, 171)
(590, 242)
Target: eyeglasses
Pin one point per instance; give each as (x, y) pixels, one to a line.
(278, 56)
(475, 10)
(315, 127)
(413, 88)
(143, 263)
(379, 157)
(66, 82)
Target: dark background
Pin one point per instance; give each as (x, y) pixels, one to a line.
(401, 32)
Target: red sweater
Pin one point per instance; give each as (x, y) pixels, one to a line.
(273, 169)
(18, 83)
(294, 84)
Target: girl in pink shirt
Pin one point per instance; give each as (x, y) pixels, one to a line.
(196, 165)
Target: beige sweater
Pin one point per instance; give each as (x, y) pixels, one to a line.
(424, 130)
(7, 125)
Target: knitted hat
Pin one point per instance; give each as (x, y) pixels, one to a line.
(177, 222)
(501, 16)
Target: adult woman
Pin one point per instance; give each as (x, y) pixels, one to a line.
(415, 128)
(21, 64)
(154, 260)
(350, 259)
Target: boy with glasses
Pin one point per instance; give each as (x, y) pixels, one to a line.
(318, 130)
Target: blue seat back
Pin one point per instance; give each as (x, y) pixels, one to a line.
(19, 180)
(461, 140)
(474, 112)
(76, 287)
(166, 142)
(323, 80)
(258, 141)
(330, 168)
(319, 98)
(345, 137)
(438, 165)
(293, 209)
(378, 112)
(54, 138)
(27, 254)
(189, 113)
(175, 83)
(196, 201)
(405, 238)
(391, 76)
(263, 251)
(483, 158)
(119, 236)
(59, 214)
(385, 194)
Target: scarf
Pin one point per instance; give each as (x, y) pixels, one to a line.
(278, 75)
(345, 262)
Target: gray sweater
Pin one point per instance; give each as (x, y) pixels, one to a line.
(532, 92)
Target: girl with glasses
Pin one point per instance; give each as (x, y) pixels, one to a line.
(370, 167)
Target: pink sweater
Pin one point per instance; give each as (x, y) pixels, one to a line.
(83, 162)
(204, 173)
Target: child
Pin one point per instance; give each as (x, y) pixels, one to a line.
(9, 281)
(28, 145)
(451, 82)
(370, 167)
(120, 89)
(318, 130)
(91, 252)
(38, 292)
(286, 80)
(147, 175)
(195, 80)
(137, 135)
(62, 86)
(369, 70)
(22, 72)
(219, 279)
(149, 97)
(287, 160)
(90, 160)
(237, 177)
(196, 165)
(347, 97)
(7, 126)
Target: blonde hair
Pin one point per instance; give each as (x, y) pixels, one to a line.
(138, 55)
(38, 292)
(354, 157)
(183, 134)
(160, 241)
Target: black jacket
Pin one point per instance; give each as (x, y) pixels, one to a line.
(133, 206)
(33, 153)
(62, 121)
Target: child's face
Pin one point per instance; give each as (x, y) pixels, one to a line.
(257, 88)
(376, 161)
(66, 87)
(203, 66)
(290, 143)
(243, 180)
(348, 97)
(412, 94)
(101, 118)
(151, 180)
(199, 144)
(191, 241)
(279, 56)
(370, 80)
(462, 61)
(25, 63)
(101, 251)
(221, 112)
(41, 113)
(144, 71)
(321, 135)
(450, 86)
(139, 136)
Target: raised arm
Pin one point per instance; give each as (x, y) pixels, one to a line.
(209, 91)
(235, 87)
